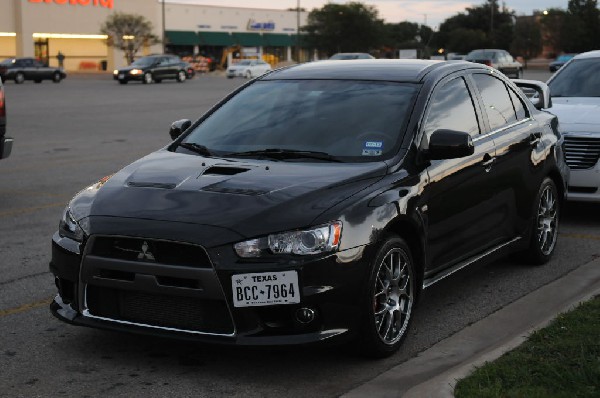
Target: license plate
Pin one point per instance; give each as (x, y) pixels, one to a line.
(265, 288)
(121, 76)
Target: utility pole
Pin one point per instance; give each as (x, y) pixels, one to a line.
(164, 44)
(298, 31)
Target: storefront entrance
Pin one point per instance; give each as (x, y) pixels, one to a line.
(41, 51)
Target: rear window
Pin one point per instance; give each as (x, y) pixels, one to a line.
(351, 120)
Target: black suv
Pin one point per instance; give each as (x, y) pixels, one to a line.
(154, 68)
(5, 142)
(316, 202)
(21, 69)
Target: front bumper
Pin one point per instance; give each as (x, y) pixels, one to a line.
(204, 310)
(584, 185)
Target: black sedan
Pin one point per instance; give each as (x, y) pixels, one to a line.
(315, 203)
(155, 68)
(21, 69)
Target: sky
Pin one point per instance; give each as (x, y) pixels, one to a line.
(429, 12)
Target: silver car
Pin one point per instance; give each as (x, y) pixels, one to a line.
(575, 90)
(248, 68)
(498, 59)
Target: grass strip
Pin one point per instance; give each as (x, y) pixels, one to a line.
(560, 360)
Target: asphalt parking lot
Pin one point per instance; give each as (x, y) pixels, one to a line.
(70, 135)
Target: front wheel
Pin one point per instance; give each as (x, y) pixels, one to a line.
(545, 224)
(248, 74)
(147, 78)
(181, 76)
(389, 299)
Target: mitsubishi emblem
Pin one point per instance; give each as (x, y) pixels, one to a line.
(145, 254)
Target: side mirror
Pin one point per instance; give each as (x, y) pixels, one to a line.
(178, 127)
(537, 92)
(449, 144)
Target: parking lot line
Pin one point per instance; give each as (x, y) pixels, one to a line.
(25, 307)
(26, 210)
(580, 236)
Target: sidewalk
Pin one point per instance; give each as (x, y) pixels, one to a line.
(434, 372)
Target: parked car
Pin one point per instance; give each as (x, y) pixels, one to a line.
(455, 57)
(5, 142)
(300, 210)
(347, 56)
(498, 59)
(560, 61)
(154, 68)
(248, 68)
(21, 69)
(575, 90)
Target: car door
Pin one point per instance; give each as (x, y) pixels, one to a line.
(39, 71)
(516, 136)
(460, 198)
(25, 66)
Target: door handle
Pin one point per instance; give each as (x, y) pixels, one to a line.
(488, 162)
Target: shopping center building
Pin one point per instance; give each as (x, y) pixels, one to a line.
(43, 28)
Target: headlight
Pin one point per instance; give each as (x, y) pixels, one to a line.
(323, 239)
(69, 228)
(115, 72)
(135, 71)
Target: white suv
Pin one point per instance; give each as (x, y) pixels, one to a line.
(575, 91)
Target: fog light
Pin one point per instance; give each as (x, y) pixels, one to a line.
(305, 315)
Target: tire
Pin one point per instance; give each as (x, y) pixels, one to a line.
(248, 74)
(389, 299)
(519, 73)
(545, 224)
(147, 78)
(181, 76)
(19, 78)
(56, 78)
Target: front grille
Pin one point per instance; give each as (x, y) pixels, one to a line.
(149, 250)
(163, 311)
(582, 152)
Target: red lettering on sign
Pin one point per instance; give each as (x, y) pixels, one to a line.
(101, 3)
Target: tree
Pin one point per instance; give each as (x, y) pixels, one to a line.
(552, 23)
(528, 38)
(128, 33)
(351, 27)
(582, 26)
(490, 26)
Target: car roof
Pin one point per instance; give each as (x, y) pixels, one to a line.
(398, 70)
(589, 54)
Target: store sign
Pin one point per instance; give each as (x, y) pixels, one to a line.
(101, 3)
(261, 26)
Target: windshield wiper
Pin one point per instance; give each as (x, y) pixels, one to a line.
(279, 153)
(199, 149)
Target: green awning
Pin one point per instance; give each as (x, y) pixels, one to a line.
(215, 39)
(278, 40)
(182, 37)
(248, 39)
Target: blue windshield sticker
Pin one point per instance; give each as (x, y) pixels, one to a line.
(373, 148)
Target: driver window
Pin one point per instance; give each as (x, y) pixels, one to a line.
(452, 108)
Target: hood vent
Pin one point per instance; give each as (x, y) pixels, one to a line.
(223, 171)
(233, 190)
(150, 185)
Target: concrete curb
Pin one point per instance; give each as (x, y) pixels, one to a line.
(434, 372)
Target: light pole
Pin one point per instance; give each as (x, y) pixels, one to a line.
(164, 44)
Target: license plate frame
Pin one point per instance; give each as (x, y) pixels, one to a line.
(265, 288)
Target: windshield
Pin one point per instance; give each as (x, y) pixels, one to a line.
(143, 62)
(580, 78)
(350, 120)
(8, 61)
(244, 63)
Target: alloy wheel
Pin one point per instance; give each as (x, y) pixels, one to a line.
(181, 76)
(547, 220)
(393, 296)
(148, 78)
(19, 78)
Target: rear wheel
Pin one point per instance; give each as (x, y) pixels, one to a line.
(56, 78)
(147, 78)
(545, 224)
(19, 78)
(181, 76)
(389, 299)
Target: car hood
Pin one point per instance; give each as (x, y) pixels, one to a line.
(577, 113)
(250, 197)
